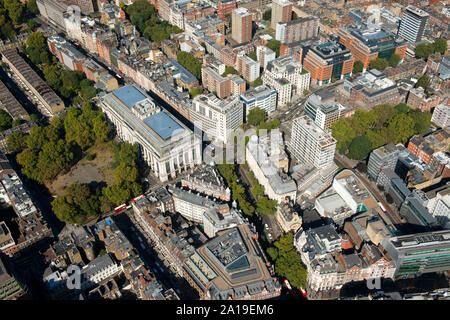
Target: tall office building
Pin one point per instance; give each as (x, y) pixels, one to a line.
(310, 144)
(261, 97)
(247, 67)
(324, 114)
(413, 24)
(383, 157)
(329, 60)
(218, 118)
(241, 30)
(419, 253)
(297, 30)
(281, 12)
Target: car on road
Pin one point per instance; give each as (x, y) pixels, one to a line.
(266, 226)
(270, 236)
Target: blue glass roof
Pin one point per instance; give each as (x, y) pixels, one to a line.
(162, 124)
(129, 95)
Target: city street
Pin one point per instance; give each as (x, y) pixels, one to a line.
(272, 226)
(138, 238)
(372, 188)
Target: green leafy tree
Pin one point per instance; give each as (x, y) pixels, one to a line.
(5, 120)
(275, 123)
(88, 91)
(253, 55)
(191, 63)
(32, 6)
(35, 48)
(382, 113)
(422, 120)
(17, 122)
(394, 60)
(273, 253)
(266, 206)
(258, 82)
(34, 118)
(195, 92)
(15, 10)
(125, 172)
(64, 211)
(28, 160)
(344, 133)
(36, 139)
(423, 82)
(16, 142)
(358, 66)
(142, 14)
(403, 126)
(423, 50)
(7, 30)
(359, 148)
(77, 205)
(288, 262)
(378, 63)
(267, 15)
(100, 128)
(229, 70)
(117, 194)
(402, 108)
(53, 159)
(363, 121)
(31, 24)
(52, 76)
(376, 138)
(274, 45)
(256, 116)
(440, 45)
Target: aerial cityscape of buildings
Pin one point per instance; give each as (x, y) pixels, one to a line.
(225, 150)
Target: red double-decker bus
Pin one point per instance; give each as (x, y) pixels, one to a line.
(120, 208)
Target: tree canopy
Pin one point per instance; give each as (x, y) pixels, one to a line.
(367, 130)
(423, 82)
(359, 148)
(195, 92)
(229, 70)
(358, 66)
(274, 45)
(5, 120)
(78, 203)
(191, 63)
(402, 108)
(440, 45)
(258, 82)
(228, 172)
(142, 14)
(423, 50)
(288, 262)
(378, 63)
(255, 116)
(253, 55)
(394, 60)
(48, 151)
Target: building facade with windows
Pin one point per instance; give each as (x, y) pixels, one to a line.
(167, 145)
(217, 118)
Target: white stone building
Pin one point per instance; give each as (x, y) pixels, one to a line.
(167, 145)
(218, 118)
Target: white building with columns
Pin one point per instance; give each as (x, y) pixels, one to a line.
(167, 145)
